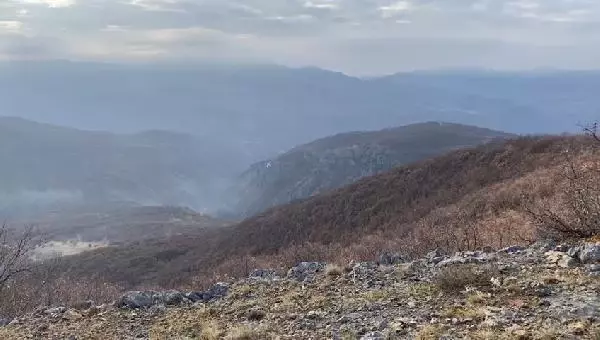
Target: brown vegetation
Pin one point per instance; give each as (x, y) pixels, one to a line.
(464, 200)
(456, 278)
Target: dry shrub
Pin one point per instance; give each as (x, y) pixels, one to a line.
(15, 249)
(455, 278)
(26, 295)
(45, 284)
(334, 270)
(574, 210)
(430, 332)
(247, 333)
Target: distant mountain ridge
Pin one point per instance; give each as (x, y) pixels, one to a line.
(342, 159)
(260, 111)
(45, 166)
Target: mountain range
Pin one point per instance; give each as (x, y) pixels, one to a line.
(258, 112)
(339, 160)
(48, 167)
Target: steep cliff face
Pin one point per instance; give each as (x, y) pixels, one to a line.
(339, 160)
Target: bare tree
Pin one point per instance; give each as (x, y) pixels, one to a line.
(592, 131)
(578, 214)
(15, 249)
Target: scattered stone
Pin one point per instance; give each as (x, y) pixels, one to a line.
(561, 259)
(562, 248)
(435, 256)
(390, 259)
(371, 300)
(568, 262)
(590, 253)
(256, 315)
(543, 245)
(84, 305)
(305, 271)
(512, 250)
(350, 318)
(373, 336)
(574, 251)
(465, 258)
(217, 291)
(263, 274)
(195, 296)
(172, 298)
(593, 268)
(71, 315)
(55, 310)
(136, 299)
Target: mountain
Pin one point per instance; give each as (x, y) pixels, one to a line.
(46, 166)
(336, 161)
(261, 111)
(462, 200)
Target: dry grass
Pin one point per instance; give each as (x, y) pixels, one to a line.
(456, 278)
(247, 333)
(196, 324)
(460, 312)
(430, 332)
(334, 271)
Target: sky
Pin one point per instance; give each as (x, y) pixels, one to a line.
(360, 37)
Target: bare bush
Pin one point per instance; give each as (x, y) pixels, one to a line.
(15, 249)
(456, 278)
(576, 213)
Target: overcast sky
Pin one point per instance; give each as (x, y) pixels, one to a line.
(354, 36)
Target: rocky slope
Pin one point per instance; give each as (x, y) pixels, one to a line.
(544, 291)
(339, 160)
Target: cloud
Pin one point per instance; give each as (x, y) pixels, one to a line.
(289, 31)
(10, 26)
(396, 8)
(330, 5)
(49, 3)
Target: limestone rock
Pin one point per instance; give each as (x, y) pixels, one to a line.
(590, 253)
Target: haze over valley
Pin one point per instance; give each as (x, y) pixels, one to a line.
(97, 134)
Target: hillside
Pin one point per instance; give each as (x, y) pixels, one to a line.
(445, 202)
(336, 161)
(46, 167)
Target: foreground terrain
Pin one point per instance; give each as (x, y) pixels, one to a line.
(544, 291)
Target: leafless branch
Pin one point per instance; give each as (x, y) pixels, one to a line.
(15, 249)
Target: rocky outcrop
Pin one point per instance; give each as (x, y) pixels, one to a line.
(305, 271)
(146, 299)
(545, 291)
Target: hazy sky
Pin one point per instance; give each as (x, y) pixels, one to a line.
(355, 36)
